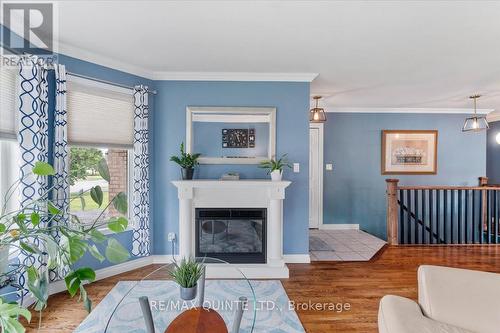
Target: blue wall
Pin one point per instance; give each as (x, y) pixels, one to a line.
(354, 192)
(493, 154)
(292, 103)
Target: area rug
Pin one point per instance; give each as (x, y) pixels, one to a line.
(317, 244)
(273, 310)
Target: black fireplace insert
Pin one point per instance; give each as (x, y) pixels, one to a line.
(235, 235)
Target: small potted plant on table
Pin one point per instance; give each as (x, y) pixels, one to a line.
(187, 274)
(275, 167)
(187, 162)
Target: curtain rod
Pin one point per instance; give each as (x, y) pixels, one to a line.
(153, 92)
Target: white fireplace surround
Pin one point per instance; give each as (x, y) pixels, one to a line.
(268, 194)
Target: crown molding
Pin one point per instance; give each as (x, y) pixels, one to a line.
(99, 59)
(494, 116)
(235, 76)
(82, 54)
(406, 110)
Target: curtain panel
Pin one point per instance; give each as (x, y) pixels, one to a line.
(32, 135)
(60, 187)
(140, 210)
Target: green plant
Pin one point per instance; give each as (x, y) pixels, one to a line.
(42, 227)
(274, 164)
(186, 161)
(187, 273)
(9, 316)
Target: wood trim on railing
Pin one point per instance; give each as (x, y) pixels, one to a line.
(392, 211)
(444, 187)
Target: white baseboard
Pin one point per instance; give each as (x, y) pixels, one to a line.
(164, 258)
(58, 286)
(103, 273)
(339, 227)
(297, 258)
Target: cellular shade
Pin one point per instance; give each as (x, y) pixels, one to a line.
(8, 77)
(99, 117)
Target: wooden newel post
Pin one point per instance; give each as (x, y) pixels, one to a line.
(392, 211)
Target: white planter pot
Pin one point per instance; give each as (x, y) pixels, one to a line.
(4, 259)
(276, 175)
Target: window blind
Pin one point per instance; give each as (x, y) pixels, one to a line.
(98, 116)
(8, 79)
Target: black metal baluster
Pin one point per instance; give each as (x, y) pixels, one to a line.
(438, 215)
(459, 215)
(474, 216)
(431, 215)
(452, 215)
(488, 216)
(445, 216)
(466, 219)
(401, 217)
(415, 234)
(408, 226)
(481, 216)
(495, 227)
(423, 216)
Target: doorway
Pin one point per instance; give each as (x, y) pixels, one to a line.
(315, 175)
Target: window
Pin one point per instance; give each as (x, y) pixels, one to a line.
(8, 79)
(100, 125)
(9, 150)
(84, 175)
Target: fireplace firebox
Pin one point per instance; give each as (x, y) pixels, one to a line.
(235, 235)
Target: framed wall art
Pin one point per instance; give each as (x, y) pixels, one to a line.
(409, 152)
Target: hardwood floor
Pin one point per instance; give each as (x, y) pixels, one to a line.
(361, 284)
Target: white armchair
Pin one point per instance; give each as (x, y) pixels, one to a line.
(450, 300)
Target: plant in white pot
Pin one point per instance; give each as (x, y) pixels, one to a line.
(275, 167)
(187, 274)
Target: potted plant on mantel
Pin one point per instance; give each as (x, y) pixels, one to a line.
(275, 167)
(40, 228)
(187, 162)
(187, 274)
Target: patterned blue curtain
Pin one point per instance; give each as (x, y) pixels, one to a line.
(141, 241)
(32, 107)
(60, 194)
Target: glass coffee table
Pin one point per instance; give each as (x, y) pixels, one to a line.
(229, 302)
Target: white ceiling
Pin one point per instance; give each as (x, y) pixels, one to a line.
(369, 54)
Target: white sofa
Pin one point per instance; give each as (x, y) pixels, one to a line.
(450, 300)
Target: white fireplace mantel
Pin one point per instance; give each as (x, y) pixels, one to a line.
(267, 194)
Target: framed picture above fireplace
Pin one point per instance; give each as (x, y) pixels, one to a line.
(231, 135)
(409, 152)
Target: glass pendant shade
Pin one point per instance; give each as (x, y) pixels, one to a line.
(475, 123)
(317, 114)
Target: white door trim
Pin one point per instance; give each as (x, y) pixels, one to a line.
(319, 191)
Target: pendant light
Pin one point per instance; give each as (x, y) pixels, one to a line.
(317, 114)
(475, 123)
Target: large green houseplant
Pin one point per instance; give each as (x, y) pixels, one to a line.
(43, 228)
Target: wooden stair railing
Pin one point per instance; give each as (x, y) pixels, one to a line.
(443, 214)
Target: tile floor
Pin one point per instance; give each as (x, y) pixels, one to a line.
(343, 245)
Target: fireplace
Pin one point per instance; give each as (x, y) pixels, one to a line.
(235, 235)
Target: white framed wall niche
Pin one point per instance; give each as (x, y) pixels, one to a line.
(231, 135)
